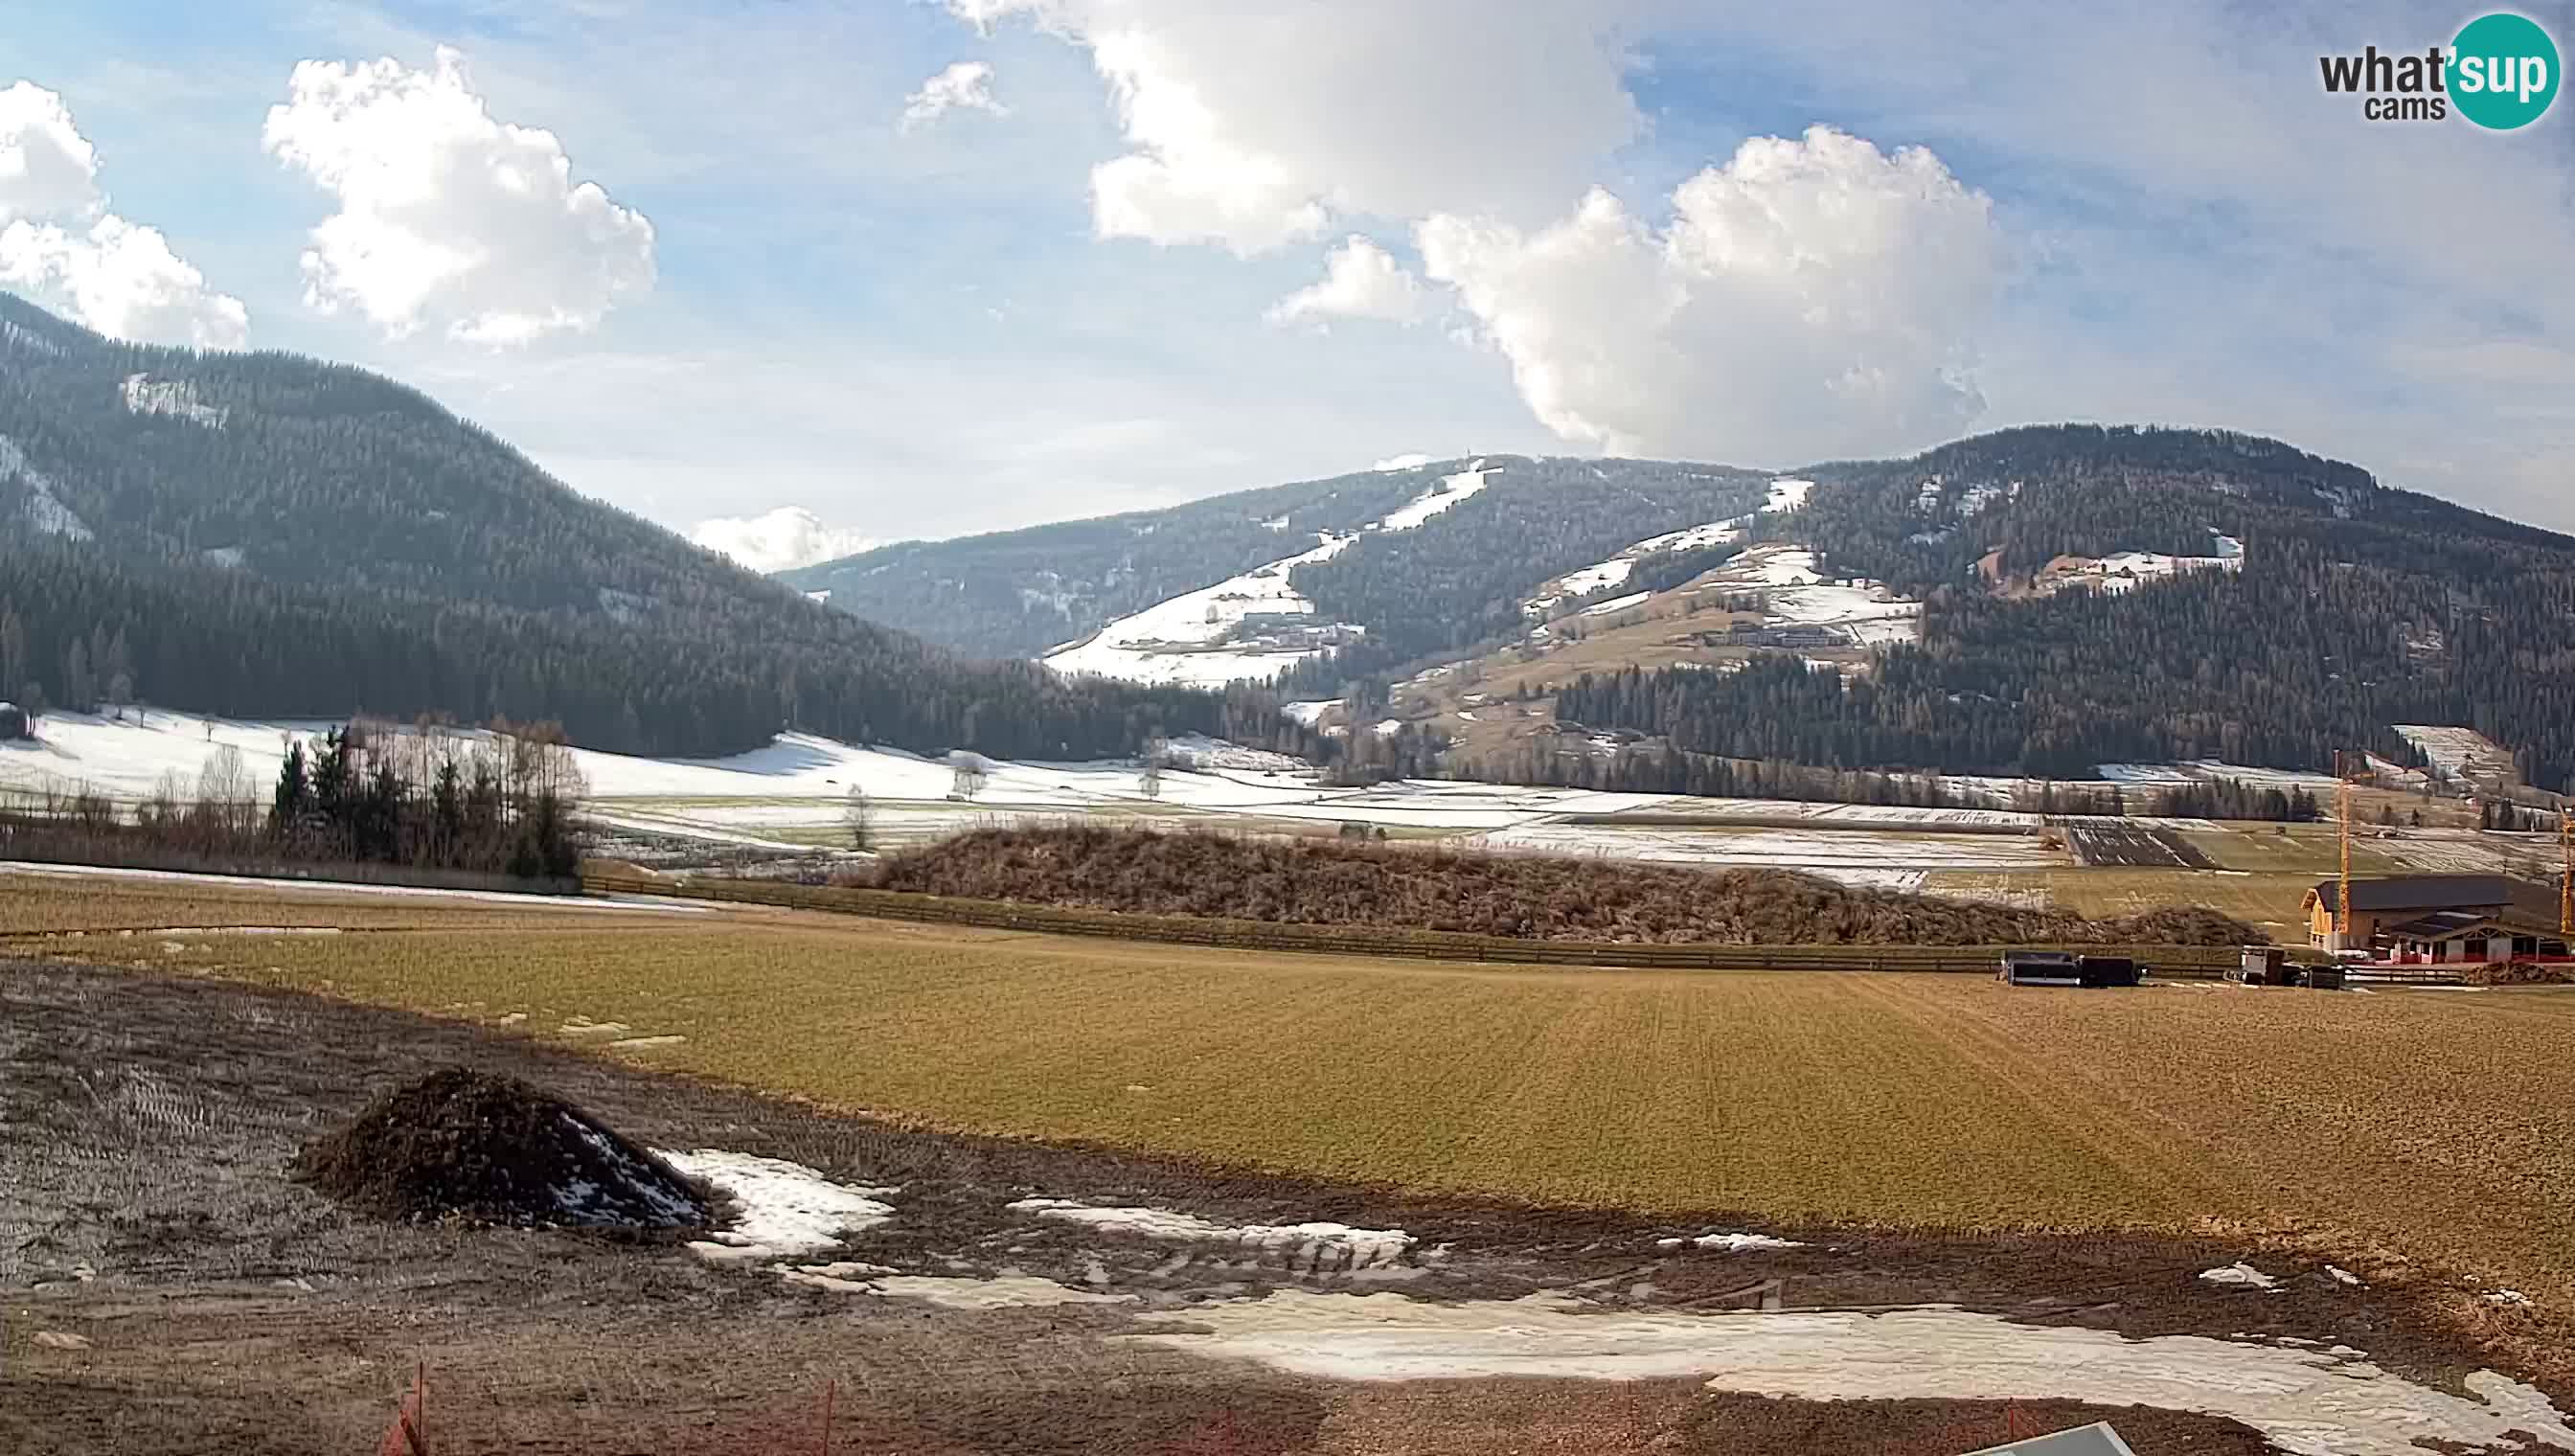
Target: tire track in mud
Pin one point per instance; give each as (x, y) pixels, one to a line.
(2072, 1103)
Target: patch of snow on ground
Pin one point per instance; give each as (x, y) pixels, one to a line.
(1307, 714)
(1392, 463)
(29, 339)
(1006, 1291)
(2342, 1275)
(2512, 1297)
(1616, 604)
(781, 1210)
(2312, 1402)
(1613, 572)
(2458, 752)
(1787, 494)
(1977, 498)
(2121, 572)
(1732, 1243)
(1316, 1247)
(1891, 857)
(2240, 1273)
(227, 557)
(613, 904)
(174, 398)
(1181, 640)
(1439, 497)
(46, 515)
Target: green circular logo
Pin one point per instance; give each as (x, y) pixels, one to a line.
(2503, 71)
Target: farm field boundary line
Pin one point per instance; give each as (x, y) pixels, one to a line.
(2173, 961)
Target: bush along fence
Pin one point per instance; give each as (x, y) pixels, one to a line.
(2193, 962)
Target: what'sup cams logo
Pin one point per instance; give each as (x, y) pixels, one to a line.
(2500, 72)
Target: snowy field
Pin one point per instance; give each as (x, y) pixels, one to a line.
(1889, 859)
(1795, 593)
(793, 793)
(1604, 575)
(1182, 641)
(2202, 770)
(2458, 753)
(2121, 572)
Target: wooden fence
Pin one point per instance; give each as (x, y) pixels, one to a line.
(2193, 962)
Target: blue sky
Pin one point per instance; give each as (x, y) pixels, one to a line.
(1074, 300)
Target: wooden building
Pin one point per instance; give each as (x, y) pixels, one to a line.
(2431, 919)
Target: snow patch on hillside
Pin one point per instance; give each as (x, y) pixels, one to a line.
(2122, 572)
(1612, 573)
(1796, 593)
(176, 399)
(2458, 753)
(1787, 494)
(1195, 639)
(1392, 463)
(1439, 497)
(28, 339)
(1616, 604)
(46, 514)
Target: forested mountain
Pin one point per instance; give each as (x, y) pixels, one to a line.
(1018, 593)
(1462, 576)
(2356, 607)
(259, 534)
(2330, 608)
(1454, 579)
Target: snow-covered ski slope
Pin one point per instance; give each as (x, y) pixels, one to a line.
(1245, 628)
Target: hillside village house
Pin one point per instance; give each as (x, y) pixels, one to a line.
(2429, 918)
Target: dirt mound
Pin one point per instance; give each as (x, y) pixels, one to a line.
(1525, 896)
(467, 1145)
(2519, 974)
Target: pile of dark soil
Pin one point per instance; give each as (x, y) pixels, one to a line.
(1527, 896)
(459, 1143)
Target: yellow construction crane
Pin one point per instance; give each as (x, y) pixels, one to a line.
(2342, 891)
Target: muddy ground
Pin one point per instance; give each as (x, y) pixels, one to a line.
(190, 1297)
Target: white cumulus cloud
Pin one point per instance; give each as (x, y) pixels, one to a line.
(123, 281)
(447, 214)
(967, 84)
(63, 248)
(47, 168)
(1360, 281)
(1809, 298)
(1252, 124)
(783, 540)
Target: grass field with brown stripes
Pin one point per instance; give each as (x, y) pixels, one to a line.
(2436, 1126)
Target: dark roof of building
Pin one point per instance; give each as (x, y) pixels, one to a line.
(2093, 1440)
(2418, 893)
(2441, 925)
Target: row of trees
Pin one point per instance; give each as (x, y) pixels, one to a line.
(496, 802)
